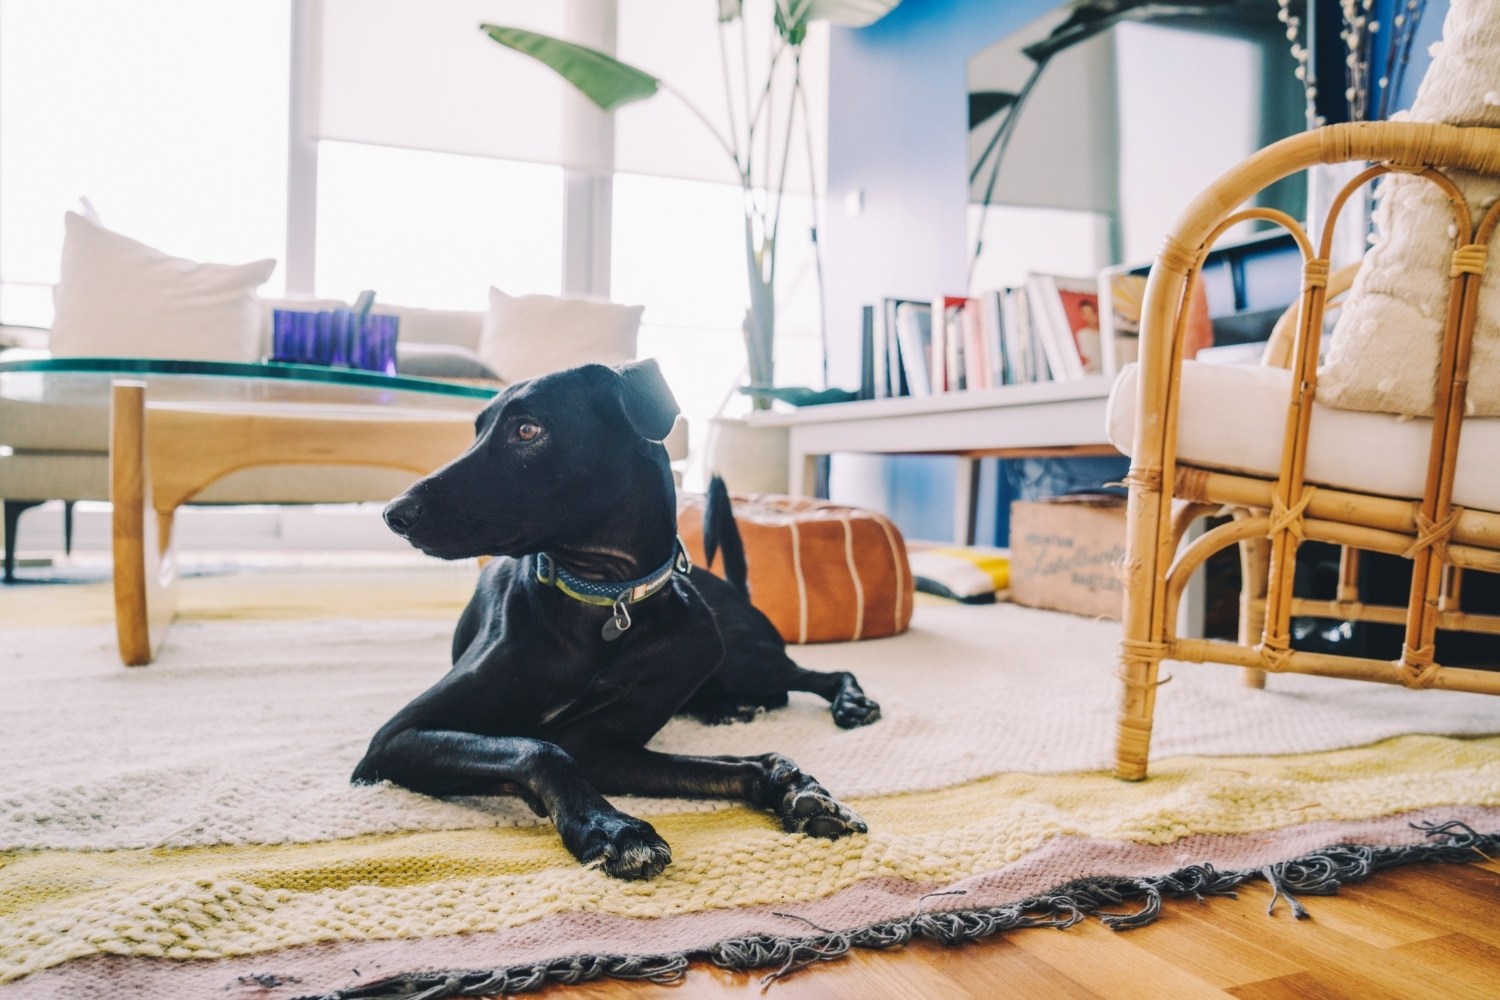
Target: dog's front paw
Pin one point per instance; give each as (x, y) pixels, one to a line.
(812, 810)
(623, 846)
(805, 806)
(854, 709)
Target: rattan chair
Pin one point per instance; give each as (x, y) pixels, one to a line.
(1287, 495)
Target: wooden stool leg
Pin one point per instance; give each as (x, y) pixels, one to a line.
(145, 573)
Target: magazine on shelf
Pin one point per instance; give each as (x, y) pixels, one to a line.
(1070, 318)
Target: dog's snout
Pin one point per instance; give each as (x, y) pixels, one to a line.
(403, 513)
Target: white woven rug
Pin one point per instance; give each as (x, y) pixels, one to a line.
(246, 731)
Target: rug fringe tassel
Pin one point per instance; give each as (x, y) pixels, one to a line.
(1318, 874)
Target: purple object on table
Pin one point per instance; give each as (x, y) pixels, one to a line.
(294, 336)
(374, 346)
(337, 338)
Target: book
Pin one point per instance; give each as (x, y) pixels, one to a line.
(914, 340)
(976, 359)
(897, 380)
(1120, 298)
(1051, 324)
(1080, 304)
(943, 360)
(992, 328)
(867, 352)
(1036, 358)
(1015, 337)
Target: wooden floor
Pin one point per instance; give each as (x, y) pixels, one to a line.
(1424, 931)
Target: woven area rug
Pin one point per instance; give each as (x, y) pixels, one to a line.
(187, 829)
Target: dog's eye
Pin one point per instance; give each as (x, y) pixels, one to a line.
(528, 431)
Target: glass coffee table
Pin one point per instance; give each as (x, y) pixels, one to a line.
(175, 427)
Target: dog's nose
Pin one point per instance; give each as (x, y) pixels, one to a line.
(402, 514)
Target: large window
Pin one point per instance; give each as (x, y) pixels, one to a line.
(678, 249)
(435, 229)
(170, 117)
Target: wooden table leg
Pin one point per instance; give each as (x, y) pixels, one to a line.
(965, 497)
(145, 556)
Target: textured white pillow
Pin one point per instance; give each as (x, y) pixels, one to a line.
(1384, 351)
(116, 297)
(529, 335)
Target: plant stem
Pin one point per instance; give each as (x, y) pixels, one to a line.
(734, 130)
(812, 185)
(786, 159)
(718, 137)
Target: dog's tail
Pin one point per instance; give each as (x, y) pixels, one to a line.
(720, 533)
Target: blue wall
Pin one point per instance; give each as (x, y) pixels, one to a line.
(898, 134)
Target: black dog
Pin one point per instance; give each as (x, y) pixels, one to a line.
(581, 644)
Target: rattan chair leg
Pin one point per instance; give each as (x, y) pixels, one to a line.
(1133, 731)
(1255, 558)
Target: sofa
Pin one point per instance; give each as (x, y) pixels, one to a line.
(61, 452)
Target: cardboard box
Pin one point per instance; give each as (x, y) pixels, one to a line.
(1063, 553)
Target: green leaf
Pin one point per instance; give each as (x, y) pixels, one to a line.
(601, 78)
(791, 20)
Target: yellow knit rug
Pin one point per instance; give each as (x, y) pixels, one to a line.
(164, 873)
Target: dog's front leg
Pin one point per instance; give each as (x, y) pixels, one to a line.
(769, 781)
(448, 762)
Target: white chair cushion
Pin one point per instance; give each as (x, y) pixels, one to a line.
(1231, 418)
(116, 297)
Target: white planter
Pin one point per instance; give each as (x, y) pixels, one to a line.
(750, 459)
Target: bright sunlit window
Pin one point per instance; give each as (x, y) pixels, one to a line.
(678, 250)
(435, 229)
(170, 117)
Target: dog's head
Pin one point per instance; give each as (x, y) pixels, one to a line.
(553, 459)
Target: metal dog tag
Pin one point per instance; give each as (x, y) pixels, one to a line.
(617, 623)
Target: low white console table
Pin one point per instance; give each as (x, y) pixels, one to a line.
(1036, 420)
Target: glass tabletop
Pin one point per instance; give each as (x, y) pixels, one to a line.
(234, 385)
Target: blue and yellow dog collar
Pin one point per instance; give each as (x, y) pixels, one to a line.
(611, 595)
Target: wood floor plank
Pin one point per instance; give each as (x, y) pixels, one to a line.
(1471, 965)
(1459, 899)
(1109, 962)
(1331, 956)
(1299, 986)
(1208, 951)
(1327, 954)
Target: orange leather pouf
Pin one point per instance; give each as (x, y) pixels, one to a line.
(820, 571)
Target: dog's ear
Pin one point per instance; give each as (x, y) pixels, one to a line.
(649, 404)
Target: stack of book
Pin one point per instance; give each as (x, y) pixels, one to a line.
(1045, 330)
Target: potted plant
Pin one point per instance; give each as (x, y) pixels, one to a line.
(760, 158)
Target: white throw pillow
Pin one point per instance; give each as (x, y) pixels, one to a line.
(1384, 351)
(529, 335)
(116, 297)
